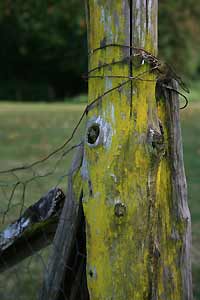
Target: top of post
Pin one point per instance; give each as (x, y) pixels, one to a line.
(144, 16)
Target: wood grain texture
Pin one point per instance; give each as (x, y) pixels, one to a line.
(67, 239)
(120, 168)
(144, 24)
(134, 196)
(180, 211)
(33, 231)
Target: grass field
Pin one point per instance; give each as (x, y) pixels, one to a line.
(29, 132)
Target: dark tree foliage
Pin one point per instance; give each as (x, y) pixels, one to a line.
(179, 34)
(43, 49)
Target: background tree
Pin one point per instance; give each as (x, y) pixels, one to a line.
(44, 48)
(179, 35)
(44, 53)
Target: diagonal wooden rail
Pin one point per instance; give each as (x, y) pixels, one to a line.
(34, 230)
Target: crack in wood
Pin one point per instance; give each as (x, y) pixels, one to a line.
(131, 52)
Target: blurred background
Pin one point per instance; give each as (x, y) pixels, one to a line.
(43, 49)
(43, 55)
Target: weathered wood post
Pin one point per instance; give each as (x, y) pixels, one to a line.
(137, 219)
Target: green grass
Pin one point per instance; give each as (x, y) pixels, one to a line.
(29, 132)
(194, 95)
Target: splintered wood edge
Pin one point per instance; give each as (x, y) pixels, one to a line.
(33, 231)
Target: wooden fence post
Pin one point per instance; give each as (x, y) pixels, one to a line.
(135, 198)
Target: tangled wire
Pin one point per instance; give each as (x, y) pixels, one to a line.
(164, 74)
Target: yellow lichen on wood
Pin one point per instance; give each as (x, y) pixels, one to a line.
(118, 170)
(169, 234)
(131, 254)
